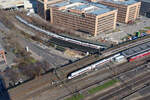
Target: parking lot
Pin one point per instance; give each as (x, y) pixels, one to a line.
(124, 30)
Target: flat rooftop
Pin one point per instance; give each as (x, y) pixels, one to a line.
(11, 3)
(137, 50)
(122, 2)
(83, 6)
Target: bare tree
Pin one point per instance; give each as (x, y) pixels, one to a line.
(12, 75)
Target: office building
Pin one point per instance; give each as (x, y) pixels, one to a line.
(88, 17)
(145, 8)
(128, 10)
(43, 7)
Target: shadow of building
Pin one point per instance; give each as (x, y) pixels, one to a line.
(3, 91)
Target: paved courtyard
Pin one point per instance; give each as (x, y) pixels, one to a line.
(124, 30)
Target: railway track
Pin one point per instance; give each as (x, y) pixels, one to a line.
(119, 72)
(125, 89)
(36, 93)
(108, 53)
(124, 47)
(144, 98)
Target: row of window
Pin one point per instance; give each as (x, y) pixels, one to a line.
(72, 17)
(73, 21)
(132, 12)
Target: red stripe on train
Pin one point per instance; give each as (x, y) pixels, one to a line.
(139, 56)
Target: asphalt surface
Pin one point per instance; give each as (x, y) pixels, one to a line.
(125, 29)
(144, 22)
(53, 59)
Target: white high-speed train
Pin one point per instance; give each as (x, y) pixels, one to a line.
(92, 66)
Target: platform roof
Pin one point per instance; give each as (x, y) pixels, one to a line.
(137, 50)
(83, 5)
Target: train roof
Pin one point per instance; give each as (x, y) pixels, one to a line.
(136, 50)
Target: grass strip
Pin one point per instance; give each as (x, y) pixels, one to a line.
(147, 27)
(76, 97)
(101, 87)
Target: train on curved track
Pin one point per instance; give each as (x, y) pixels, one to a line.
(64, 38)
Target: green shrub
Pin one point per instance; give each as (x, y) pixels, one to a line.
(101, 87)
(76, 97)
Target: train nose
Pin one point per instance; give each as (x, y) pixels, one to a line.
(69, 77)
